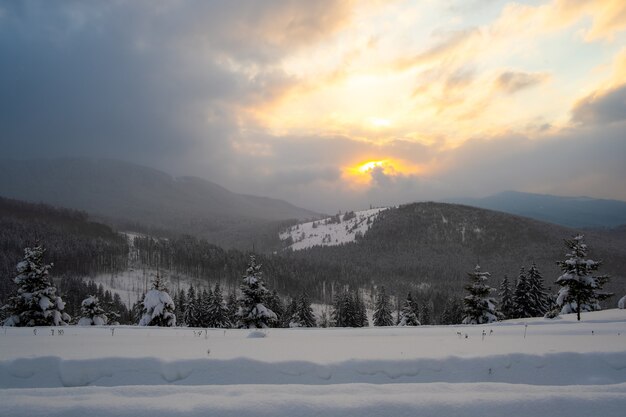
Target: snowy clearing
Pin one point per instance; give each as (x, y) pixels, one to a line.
(330, 232)
(561, 368)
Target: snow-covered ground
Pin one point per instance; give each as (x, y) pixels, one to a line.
(549, 367)
(325, 232)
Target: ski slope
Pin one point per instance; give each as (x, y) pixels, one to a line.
(327, 232)
(526, 368)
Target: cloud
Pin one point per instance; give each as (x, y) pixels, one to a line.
(511, 82)
(601, 107)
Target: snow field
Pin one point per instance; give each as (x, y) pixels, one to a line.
(560, 368)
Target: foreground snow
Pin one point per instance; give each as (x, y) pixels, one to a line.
(559, 368)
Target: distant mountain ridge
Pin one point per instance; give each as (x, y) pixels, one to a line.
(577, 212)
(132, 193)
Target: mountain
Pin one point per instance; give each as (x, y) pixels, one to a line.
(133, 196)
(566, 211)
(429, 248)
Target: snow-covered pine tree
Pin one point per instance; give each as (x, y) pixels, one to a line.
(92, 313)
(218, 312)
(158, 306)
(408, 317)
(621, 304)
(479, 306)
(580, 290)
(507, 305)
(522, 302)
(537, 293)
(382, 312)
(252, 313)
(35, 302)
(303, 316)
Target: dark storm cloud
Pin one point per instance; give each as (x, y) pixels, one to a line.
(601, 107)
(156, 82)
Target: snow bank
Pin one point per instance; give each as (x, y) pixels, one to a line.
(551, 369)
(351, 400)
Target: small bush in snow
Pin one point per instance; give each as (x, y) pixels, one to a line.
(91, 313)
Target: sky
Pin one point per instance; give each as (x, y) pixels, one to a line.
(331, 105)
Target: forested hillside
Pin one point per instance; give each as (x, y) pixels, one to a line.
(76, 246)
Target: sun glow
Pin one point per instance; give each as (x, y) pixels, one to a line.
(364, 168)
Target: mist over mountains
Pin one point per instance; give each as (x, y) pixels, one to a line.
(132, 196)
(566, 211)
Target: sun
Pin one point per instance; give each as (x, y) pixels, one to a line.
(370, 165)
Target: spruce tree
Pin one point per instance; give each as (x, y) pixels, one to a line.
(360, 311)
(537, 293)
(180, 302)
(479, 306)
(452, 312)
(580, 290)
(408, 317)
(343, 314)
(507, 305)
(92, 313)
(275, 304)
(522, 301)
(425, 315)
(35, 302)
(289, 313)
(192, 311)
(382, 312)
(233, 308)
(217, 310)
(303, 315)
(158, 306)
(205, 300)
(253, 314)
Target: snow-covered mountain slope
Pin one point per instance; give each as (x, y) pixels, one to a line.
(336, 230)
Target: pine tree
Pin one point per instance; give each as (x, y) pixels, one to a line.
(425, 315)
(181, 302)
(35, 303)
(343, 314)
(580, 290)
(507, 305)
(217, 311)
(479, 307)
(192, 313)
(537, 293)
(360, 311)
(452, 312)
(233, 308)
(92, 313)
(303, 315)
(158, 306)
(289, 313)
(253, 313)
(275, 304)
(408, 317)
(205, 299)
(523, 304)
(382, 312)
